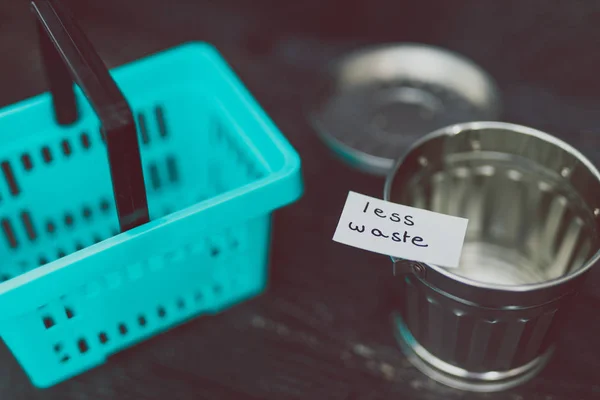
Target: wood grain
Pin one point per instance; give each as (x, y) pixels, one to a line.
(322, 329)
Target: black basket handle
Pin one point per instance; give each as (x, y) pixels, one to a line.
(69, 57)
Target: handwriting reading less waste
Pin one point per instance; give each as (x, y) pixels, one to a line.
(401, 231)
(402, 237)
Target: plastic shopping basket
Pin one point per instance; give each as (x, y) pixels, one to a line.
(78, 284)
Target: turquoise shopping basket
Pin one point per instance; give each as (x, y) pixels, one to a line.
(75, 288)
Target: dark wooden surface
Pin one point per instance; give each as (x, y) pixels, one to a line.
(322, 329)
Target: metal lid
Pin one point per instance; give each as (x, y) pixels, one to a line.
(372, 104)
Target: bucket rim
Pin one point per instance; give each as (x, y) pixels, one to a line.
(456, 129)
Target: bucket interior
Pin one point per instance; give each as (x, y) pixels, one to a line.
(533, 203)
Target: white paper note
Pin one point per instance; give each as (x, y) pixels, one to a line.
(401, 231)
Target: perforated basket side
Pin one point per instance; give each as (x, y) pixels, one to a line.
(80, 329)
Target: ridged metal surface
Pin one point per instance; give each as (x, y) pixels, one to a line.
(533, 232)
(523, 228)
(474, 339)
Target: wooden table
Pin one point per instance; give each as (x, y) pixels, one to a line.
(322, 329)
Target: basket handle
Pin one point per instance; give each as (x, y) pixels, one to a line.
(70, 57)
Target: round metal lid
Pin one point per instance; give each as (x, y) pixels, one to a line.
(372, 104)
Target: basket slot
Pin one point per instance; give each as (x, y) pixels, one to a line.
(154, 176)
(66, 148)
(143, 128)
(157, 120)
(26, 161)
(9, 233)
(85, 141)
(172, 169)
(162, 125)
(9, 176)
(28, 225)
